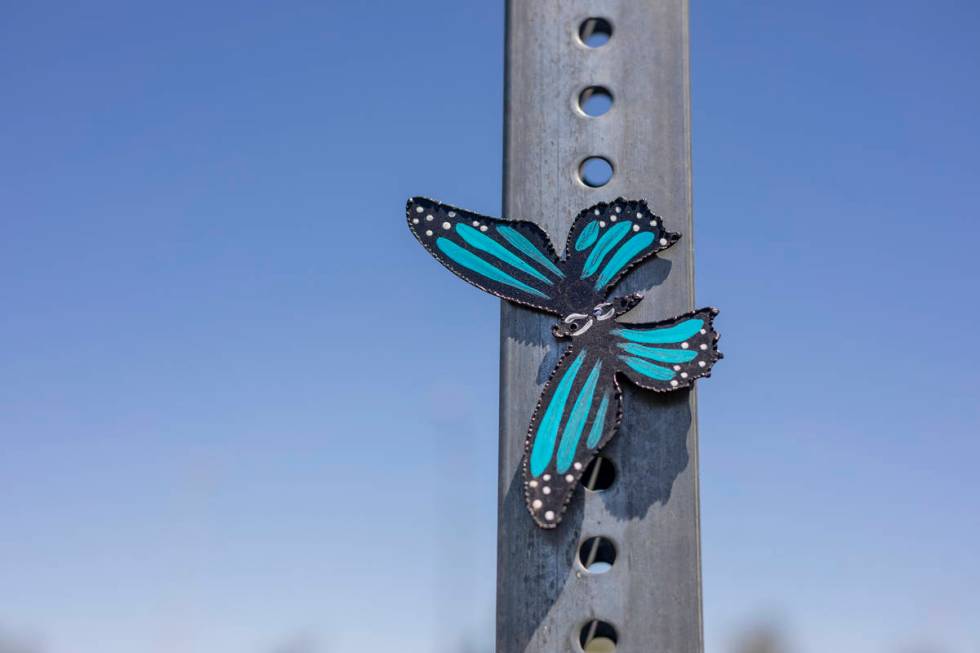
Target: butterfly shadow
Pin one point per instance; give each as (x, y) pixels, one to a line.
(649, 452)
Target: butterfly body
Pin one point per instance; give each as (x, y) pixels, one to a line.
(577, 324)
(580, 407)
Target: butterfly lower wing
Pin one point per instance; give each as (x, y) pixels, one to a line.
(607, 240)
(513, 260)
(579, 411)
(670, 354)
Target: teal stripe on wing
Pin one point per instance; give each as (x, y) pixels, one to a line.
(658, 353)
(623, 256)
(518, 240)
(646, 368)
(664, 335)
(588, 236)
(576, 421)
(481, 241)
(473, 262)
(598, 423)
(608, 240)
(547, 433)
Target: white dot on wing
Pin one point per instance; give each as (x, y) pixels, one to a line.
(577, 465)
(703, 332)
(533, 483)
(546, 477)
(677, 368)
(674, 383)
(446, 225)
(415, 220)
(601, 223)
(428, 232)
(684, 345)
(653, 223)
(701, 363)
(683, 375)
(429, 218)
(619, 209)
(569, 478)
(419, 209)
(703, 346)
(612, 218)
(452, 214)
(549, 515)
(546, 490)
(663, 241)
(536, 504)
(483, 228)
(636, 227)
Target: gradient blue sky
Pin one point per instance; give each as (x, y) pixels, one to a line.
(225, 364)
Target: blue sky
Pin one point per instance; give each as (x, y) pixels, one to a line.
(226, 365)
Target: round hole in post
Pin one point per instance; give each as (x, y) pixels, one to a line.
(597, 555)
(598, 637)
(595, 101)
(599, 474)
(595, 171)
(595, 32)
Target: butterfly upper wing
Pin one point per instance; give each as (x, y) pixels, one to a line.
(670, 354)
(607, 240)
(513, 260)
(516, 261)
(579, 411)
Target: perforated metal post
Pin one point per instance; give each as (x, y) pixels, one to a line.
(652, 593)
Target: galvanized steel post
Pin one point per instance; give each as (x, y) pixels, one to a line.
(651, 595)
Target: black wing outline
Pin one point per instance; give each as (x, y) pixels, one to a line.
(510, 259)
(578, 412)
(669, 354)
(608, 240)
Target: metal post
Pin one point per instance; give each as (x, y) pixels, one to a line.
(652, 593)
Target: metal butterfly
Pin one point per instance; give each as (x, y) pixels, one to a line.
(581, 404)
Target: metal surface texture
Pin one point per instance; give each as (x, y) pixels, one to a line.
(651, 595)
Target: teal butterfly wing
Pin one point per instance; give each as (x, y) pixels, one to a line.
(670, 354)
(579, 411)
(608, 240)
(511, 259)
(515, 260)
(580, 408)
